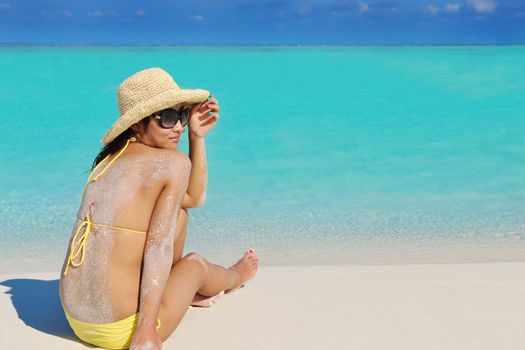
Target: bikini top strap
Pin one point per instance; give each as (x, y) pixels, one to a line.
(131, 139)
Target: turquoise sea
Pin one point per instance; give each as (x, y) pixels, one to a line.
(322, 155)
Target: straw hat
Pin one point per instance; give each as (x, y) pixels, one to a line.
(148, 91)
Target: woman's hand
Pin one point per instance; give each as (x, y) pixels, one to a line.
(145, 338)
(201, 122)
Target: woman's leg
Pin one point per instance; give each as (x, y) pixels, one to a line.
(178, 248)
(193, 274)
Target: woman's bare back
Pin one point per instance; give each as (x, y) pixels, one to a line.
(105, 287)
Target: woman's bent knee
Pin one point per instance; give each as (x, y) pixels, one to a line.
(189, 271)
(196, 257)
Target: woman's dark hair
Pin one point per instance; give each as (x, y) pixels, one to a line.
(117, 143)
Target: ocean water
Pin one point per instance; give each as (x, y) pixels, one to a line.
(322, 155)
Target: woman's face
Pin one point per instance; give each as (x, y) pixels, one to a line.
(156, 136)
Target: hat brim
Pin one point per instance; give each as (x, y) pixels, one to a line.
(165, 99)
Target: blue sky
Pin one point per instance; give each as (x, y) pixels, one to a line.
(262, 22)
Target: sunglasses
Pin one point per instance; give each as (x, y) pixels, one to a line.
(168, 118)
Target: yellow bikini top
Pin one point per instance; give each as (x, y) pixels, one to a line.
(78, 244)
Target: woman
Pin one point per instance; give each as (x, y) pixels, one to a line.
(124, 282)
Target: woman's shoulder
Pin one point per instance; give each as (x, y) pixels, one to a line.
(164, 163)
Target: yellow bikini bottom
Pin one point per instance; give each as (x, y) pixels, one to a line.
(116, 335)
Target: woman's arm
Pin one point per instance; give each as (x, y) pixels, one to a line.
(203, 118)
(196, 193)
(158, 249)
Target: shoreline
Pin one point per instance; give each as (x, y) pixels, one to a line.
(288, 254)
(416, 306)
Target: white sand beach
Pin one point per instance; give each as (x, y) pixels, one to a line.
(426, 306)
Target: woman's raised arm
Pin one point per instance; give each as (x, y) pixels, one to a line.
(158, 249)
(204, 117)
(196, 194)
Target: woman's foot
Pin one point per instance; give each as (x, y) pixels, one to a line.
(204, 301)
(246, 267)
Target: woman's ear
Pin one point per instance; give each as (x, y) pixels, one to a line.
(135, 127)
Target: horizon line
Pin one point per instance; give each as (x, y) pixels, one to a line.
(253, 45)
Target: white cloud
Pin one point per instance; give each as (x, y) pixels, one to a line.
(483, 6)
(45, 13)
(304, 10)
(363, 7)
(392, 9)
(341, 14)
(96, 13)
(140, 13)
(432, 9)
(452, 7)
(99, 13)
(197, 18)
